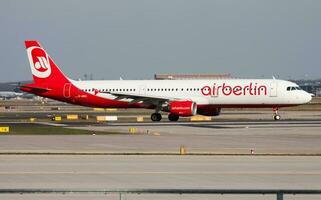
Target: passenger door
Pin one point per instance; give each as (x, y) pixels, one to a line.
(66, 90)
(142, 90)
(274, 89)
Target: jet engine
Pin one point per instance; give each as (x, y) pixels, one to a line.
(182, 108)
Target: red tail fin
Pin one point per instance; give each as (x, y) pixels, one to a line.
(44, 71)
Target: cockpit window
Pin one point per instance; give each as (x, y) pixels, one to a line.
(293, 88)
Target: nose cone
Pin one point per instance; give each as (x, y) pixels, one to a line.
(307, 97)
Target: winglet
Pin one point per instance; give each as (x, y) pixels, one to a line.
(32, 43)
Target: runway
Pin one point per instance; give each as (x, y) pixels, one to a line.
(41, 166)
(284, 137)
(41, 171)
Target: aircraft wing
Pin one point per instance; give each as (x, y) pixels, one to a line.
(150, 99)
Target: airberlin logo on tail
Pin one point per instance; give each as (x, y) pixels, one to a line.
(39, 62)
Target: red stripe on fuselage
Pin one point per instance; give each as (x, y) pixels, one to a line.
(79, 97)
(211, 106)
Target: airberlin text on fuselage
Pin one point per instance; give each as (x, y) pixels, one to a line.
(227, 90)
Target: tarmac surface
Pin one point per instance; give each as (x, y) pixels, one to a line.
(232, 154)
(266, 137)
(100, 171)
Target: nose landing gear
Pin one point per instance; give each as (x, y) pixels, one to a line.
(276, 116)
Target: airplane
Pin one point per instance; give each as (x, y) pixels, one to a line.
(9, 94)
(180, 98)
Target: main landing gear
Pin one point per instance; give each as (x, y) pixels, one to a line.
(173, 117)
(276, 116)
(156, 117)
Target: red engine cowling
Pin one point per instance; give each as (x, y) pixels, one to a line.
(183, 108)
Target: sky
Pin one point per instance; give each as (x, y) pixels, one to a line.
(134, 39)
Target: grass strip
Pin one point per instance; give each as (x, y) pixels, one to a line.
(39, 129)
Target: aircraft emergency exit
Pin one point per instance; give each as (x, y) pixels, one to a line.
(180, 98)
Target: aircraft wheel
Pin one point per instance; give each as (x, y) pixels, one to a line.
(276, 117)
(156, 117)
(172, 117)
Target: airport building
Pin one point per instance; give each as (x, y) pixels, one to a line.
(191, 76)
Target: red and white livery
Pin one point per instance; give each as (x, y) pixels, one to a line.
(177, 97)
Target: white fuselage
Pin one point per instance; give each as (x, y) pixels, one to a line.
(224, 92)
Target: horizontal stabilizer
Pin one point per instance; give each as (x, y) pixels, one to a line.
(37, 88)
